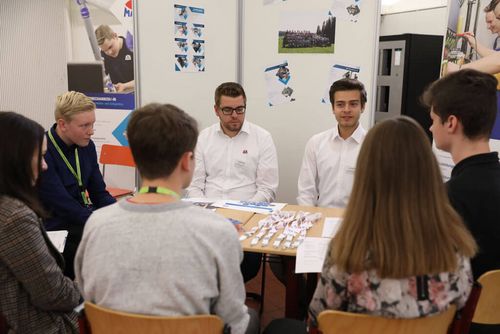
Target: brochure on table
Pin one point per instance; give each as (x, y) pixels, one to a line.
(257, 207)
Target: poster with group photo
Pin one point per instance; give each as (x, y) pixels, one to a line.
(306, 32)
(189, 38)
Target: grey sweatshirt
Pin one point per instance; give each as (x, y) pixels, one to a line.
(163, 259)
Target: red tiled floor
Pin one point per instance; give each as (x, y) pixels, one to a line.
(274, 302)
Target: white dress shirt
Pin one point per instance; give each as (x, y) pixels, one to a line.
(244, 167)
(327, 171)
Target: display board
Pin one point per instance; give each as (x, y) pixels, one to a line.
(246, 32)
(156, 48)
(293, 123)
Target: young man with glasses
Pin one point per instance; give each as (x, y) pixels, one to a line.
(235, 159)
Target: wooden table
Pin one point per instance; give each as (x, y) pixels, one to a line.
(242, 216)
(292, 286)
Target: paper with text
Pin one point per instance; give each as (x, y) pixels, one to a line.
(331, 226)
(311, 255)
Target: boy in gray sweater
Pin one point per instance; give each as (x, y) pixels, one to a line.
(154, 254)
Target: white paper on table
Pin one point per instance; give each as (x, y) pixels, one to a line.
(58, 239)
(257, 207)
(206, 203)
(311, 255)
(331, 226)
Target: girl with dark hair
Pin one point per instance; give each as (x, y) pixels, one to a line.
(35, 296)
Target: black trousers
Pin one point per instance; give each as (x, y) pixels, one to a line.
(286, 326)
(75, 233)
(251, 265)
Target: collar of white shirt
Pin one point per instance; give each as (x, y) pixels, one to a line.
(357, 135)
(244, 128)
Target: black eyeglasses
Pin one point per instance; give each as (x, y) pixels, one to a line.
(229, 111)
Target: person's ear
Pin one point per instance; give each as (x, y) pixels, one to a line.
(215, 110)
(61, 124)
(187, 161)
(452, 124)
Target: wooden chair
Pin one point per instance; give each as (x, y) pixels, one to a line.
(338, 322)
(488, 307)
(107, 321)
(118, 156)
(463, 318)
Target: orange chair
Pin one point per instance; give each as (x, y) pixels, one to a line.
(106, 321)
(118, 156)
(488, 307)
(338, 322)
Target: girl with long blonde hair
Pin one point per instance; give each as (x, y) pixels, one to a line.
(401, 251)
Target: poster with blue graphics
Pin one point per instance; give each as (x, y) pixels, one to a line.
(189, 38)
(337, 72)
(346, 10)
(112, 114)
(279, 84)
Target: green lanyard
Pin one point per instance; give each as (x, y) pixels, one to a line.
(159, 190)
(77, 174)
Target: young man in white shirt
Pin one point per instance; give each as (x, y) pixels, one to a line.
(327, 171)
(235, 159)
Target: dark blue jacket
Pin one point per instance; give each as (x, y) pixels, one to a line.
(58, 188)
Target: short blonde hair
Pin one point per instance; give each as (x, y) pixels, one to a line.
(72, 103)
(103, 32)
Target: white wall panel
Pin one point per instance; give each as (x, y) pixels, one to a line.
(33, 53)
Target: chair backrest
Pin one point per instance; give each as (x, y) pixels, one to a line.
(106, 321)
(463, 318)
(116, 155)
(338, 322)
(488, 306)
